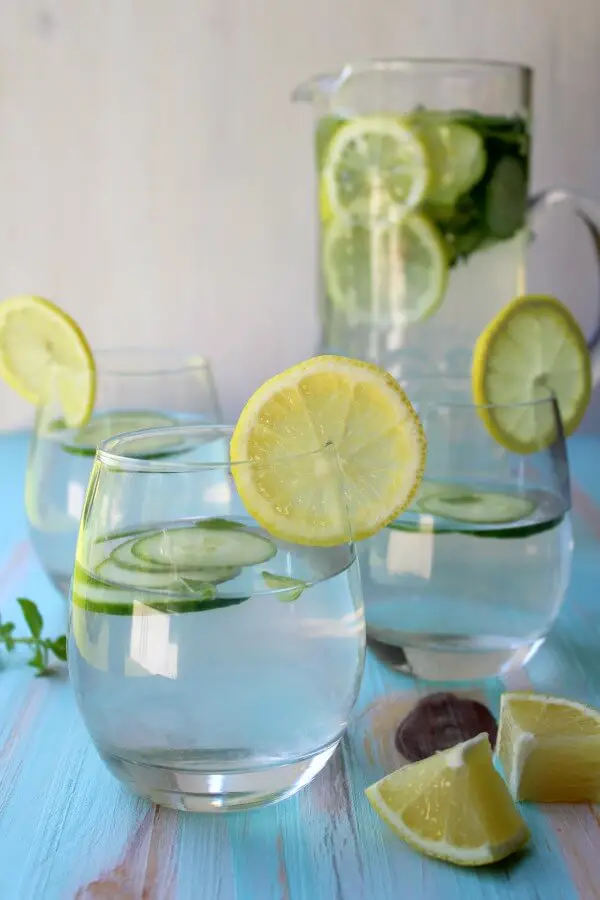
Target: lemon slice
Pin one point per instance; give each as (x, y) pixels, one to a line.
(397, 273)
(534, 346)
(44, 354)
(376, 167)
(325, 211)
(456, 153)
(453, 806)
(549, 748)
(376, 433)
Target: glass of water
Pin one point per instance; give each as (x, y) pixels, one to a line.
(135, 388)
(214, 665)
(467, 583)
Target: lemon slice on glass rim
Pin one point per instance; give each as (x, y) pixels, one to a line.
(378, 439)
(44, 353)
(532, 350)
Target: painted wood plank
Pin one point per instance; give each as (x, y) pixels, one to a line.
(71, 832)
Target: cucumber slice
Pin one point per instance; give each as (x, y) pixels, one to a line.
(506, 198)
(456, 154)
(480, 507)
(92, 594)
(202, 546)
(163, 580)
(123, 557)
(105, 425)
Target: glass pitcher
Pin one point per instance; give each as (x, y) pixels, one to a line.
(425, 218)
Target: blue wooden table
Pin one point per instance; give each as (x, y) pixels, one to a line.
(68, 831)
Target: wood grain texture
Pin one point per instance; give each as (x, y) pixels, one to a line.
(156, 180)
(69, 831)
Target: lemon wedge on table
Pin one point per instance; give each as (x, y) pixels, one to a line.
(378, 440)
(453, 806)
(549, 748)
(375, 167)
(533, 348)
(397, 271)
(44, 353)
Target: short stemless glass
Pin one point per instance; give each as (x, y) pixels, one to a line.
(214, 665)
(468, 582)
(135, 388)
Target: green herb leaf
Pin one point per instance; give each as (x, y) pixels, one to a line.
(32, 616)
(219, 524)
(288, 589)
(7, 628)
(9, 642)
(37, 660)
(59, 647)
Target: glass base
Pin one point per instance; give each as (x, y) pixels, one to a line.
(190, 789)
(468, 660)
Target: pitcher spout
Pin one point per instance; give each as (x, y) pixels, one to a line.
(315, 89)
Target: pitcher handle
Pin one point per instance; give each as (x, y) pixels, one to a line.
(589, 213)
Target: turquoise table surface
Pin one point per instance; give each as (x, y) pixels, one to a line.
(69, 831)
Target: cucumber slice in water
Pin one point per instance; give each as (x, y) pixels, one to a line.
(202, 546)
(124, 559)
(106, 425)
(165, 580)
(93, 594)
(479, 507)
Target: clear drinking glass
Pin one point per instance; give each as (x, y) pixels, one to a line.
(214, 665)
(135, 388)
(467, 583)
(409, 280)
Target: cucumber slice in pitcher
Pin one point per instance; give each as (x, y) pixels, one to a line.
(506, 198)
(477, 507)
(201, 546)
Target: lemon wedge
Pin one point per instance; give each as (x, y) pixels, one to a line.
(549, 748)
(452, 806)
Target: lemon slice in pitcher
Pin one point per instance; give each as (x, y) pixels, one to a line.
(398, 272)
(376, 433)
(533, 348)
(375, 167)
(44, 353)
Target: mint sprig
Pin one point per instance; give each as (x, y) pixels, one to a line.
(40, 647)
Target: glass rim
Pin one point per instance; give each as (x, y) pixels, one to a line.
(333, 80)
(182, 362)
(475, 64)
(433, 381)
(107, 454)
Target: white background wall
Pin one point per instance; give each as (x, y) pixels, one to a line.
(155, 180)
